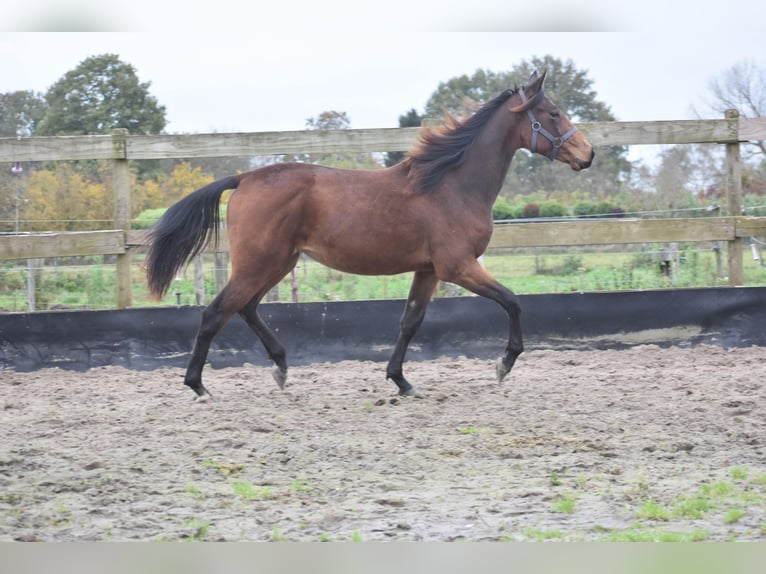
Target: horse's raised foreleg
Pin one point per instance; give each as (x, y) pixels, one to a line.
(423, 285)
(215, 316)
(476, 279)
(273, 347)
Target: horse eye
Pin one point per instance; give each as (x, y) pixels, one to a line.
(555, 114)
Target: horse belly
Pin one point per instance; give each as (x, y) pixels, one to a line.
(368, 252)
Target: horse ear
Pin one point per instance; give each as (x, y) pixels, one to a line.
(535, 83)
(533, 92)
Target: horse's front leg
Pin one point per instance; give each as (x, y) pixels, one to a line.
(476, 279)
(423, 285)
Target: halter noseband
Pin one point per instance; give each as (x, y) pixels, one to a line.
(537, 127)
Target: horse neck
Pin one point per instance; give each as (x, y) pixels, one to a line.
(490, 156)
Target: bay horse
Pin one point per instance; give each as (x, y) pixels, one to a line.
(431, 214)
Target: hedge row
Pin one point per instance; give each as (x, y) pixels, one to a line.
(503, 209)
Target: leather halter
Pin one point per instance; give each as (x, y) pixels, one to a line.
(537, 127)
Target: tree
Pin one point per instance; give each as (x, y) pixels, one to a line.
(334, 120)
(571, 90)
(20, 112)
(412, 119)
(102, 93)
(181, 183)
(741, 87)
(62, 199)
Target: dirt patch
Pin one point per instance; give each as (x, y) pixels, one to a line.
(641, 443)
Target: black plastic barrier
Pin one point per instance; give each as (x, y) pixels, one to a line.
(148, 338)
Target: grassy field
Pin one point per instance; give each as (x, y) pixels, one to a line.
(89, 283)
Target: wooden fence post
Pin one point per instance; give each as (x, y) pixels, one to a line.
(121, 171)
(734, 199)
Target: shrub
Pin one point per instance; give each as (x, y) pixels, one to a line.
(552, 209)
(531, 210)
(585, 209)
(502, 209)
(147, 218)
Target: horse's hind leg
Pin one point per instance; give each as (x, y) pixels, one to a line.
(273, 347)
(476, 279)
(215, 316)
(423, 285)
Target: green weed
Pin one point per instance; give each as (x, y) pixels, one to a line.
(225, 468)
(639, 534)
(193, 490)
(300, 484)
(692, 507)
(651, 510)
(199, 529)
(564, 504)
(542, 535)
(733, 515)
(276, 535)
(247, 491)
(738, 473)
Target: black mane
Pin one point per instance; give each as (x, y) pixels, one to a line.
(444, 148)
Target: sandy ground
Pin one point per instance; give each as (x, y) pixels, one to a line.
(643, 443)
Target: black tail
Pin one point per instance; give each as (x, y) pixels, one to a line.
(182, 232)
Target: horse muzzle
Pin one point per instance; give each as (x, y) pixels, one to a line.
(579, 164)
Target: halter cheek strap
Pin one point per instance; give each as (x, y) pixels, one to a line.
(537, 127)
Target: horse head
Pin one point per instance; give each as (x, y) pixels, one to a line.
(550, 133)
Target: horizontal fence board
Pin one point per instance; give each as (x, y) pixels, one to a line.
(506, 235)
(65, 244)
(661, 132)
(271, 143)
(751, 226)
(565, 233)
(59, 148)
(136, 239)
(752, 129)
(249, 144)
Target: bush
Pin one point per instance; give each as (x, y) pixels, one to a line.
(617, 212)
(531, 210)
(502, 209)
(552, 209)
(597, 209)
(147, 218)
(585, 209)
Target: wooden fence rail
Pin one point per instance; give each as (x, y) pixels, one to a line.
(121, 148)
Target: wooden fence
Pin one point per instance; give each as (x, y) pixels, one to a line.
(121, 148)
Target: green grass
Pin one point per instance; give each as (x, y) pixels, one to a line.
(247, 491)
(91, 283)
(276, 535)
(651, 510)
(194, 491)
(564, 504)
(542, 535)
(199, 529)
(225, 468)
(642, 534)
(733, 515)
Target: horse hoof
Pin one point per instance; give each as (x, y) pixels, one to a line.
(280, 377)
(411, 392)
(501, 370)
(205, 398)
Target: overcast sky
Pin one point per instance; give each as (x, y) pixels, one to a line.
(224, 67)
